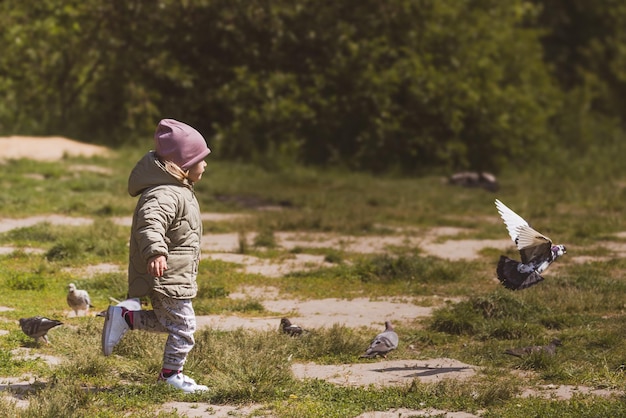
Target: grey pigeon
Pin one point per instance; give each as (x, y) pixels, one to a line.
(549, 349)
(290, 329)
(78, 300)
(37, 327)
(384, 342)
(536, 250)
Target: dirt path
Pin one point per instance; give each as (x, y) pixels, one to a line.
(50, 148)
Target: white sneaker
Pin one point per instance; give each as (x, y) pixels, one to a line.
(184, 383)
(114, 329)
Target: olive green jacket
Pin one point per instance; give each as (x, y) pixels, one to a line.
(167, 222)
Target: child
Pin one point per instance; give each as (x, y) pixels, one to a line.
(164, 248)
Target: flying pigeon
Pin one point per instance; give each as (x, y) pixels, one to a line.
(536, 250)
(384, 342)
(290, 329)
(78, 300)
(37, 327)
(549, 349)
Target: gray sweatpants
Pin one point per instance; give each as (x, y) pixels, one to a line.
(175, 317)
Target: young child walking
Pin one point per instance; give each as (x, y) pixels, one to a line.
(164, 248)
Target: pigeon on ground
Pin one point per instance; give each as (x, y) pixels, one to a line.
(549, 349)
(384, 342)
(78, 300)
(536, 250)
(481, 179)
(290, 329)
(37, 327)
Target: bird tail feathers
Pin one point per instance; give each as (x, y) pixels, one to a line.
(510, 276)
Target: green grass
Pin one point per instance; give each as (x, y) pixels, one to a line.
(575, 202)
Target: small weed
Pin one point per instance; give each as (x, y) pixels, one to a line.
(504, 304)
(265, 238)
(388, 268)
(333, 257)
(207, 306)
(455, 321)
(212, 292)
(10, 365)
(336, 344)
(240, 369)
(98, 242)
(244, 247)
(511, 329)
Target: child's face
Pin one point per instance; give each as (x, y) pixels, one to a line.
(196, 170)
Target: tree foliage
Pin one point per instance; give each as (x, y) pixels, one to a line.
(585, 46)
(402, 85)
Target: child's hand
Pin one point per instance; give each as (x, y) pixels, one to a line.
(157, 265)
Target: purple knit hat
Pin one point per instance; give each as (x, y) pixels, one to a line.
(180, 143)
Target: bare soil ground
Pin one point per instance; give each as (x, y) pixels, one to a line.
(307, 313)
(46, 148)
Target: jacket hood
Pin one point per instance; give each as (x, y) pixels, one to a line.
(149, 172)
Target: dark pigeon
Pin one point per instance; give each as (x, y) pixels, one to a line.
(37, 327)
(476, 179)
(536, 250)
(384, 342)
(290, 329)
(549, 349)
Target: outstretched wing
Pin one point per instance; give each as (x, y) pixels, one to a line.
(530, 243)
(511, 219)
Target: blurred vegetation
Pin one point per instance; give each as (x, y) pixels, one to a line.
(400, 86)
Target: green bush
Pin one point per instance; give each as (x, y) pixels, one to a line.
(455, 322)
(504, 304)
(390, 268)
(25, 281)
(395, 85)
(501, 315)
